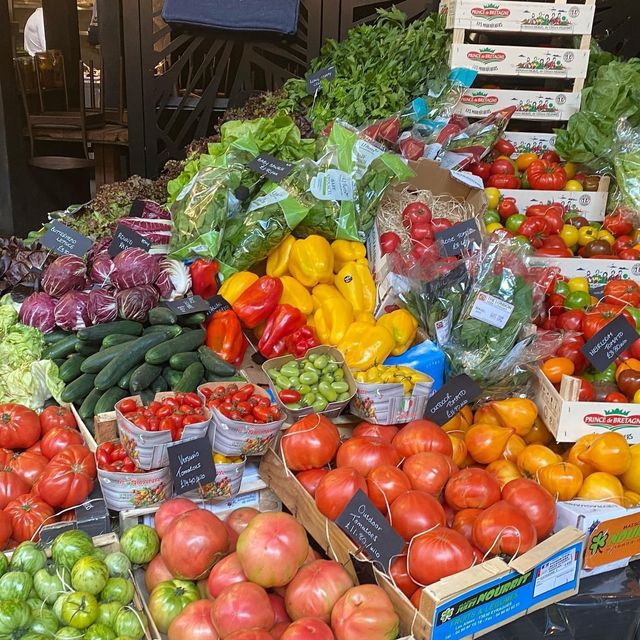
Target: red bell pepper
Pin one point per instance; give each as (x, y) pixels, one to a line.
(258, 301)
(300, 341)
(284, 321)
(225, 337)
(204, 282)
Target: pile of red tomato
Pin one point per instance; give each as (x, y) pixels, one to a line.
(111, 456)
(44, 467)
(172, 413)
(452, 518)
(242, 404)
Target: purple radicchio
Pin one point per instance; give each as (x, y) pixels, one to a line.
(155, 231)
(38, 311)
(136, 302)
(102, 268)
(101, 306)
(71, 311)
(65, 273)
(134, 267)
(174, 280)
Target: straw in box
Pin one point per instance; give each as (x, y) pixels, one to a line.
(226, 485)
(148, 449)
(238, 438)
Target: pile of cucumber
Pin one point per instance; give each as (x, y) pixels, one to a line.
(105, 363)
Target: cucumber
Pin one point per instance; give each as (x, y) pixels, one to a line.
(100, 360)
(108, 400)
(59, 361)
(79, 389)
(185, 342)
(159, 384)
(172, 376)
(100, 331)
(162, 315)
(133, 355)
(87, 408)
(181, 361)
(147, 397)
(192, 320)
(87, 348)
(88, 422)
(70, 368)
(123, 383)
(212, 377)
(191, 378)
(173, 329)
(62, 348)
(143, 376)
(117, 338)
(55, 336)
(213, 363)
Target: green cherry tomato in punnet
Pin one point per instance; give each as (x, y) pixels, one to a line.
(514, 221)
(577, 300)
(491, 215)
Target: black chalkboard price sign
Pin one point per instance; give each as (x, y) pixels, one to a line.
(191, 464)
(456, 394)
(64, 240)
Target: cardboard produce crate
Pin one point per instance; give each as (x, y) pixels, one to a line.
(466, 605)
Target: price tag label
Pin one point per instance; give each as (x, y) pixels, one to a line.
(617, 336)
(125, 238)
(491, 310)
(370, 530)
(191, 464)
(217, 303)
(314, 81)
(456, 239)
(185, 306)
(65, 241)
(137, 208)
(271, 167)
(456, 394)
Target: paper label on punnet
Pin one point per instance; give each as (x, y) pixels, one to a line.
(443, 328)
(332, 184)
(364, 153)
(277, 195)
(491, 310)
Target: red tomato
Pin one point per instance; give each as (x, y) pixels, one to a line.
(400, 575)
(58, 439)
(546, 175)
(504, 529)
(242, 606)
(480, 169)
(368, 430)
(619, 223)
(422, 435)
(601, 316)
(68, 478)
(616, 396)
(472, 488)
(29, 465)
(502, 167)
(5, 529)
(414, 512)
(385, 484)
(365, 454)
(502, 181)
(237, 521)
(19, 426)
(463, 522)
(587, 391)
(194, 621)
(571, 320)
(436, 554)
(169, 512)
(535, 501)
(415, 213)
(127, 406)
(308, 628)
(27, 514)
(504, 147)
(310, 479)
(429, 471)
(629, 254)
(11, 484)
(550, 155)
(336, 489)
(622, 291)
(55, 416)
(507, 207)
(224, 573)
(364, 612)
(310, 443)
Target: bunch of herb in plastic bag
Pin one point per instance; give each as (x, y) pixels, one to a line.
(626, 163)
(276, 211)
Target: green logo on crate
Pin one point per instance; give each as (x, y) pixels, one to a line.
(490, 12)
(613, 419)
(493, 593)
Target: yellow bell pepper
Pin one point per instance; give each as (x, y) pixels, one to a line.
(296, 295)
(346, 251)
(322, 292)
(402, 326)
(364, 346)
(332, 320)
(311, 261)
(355, 282)
(278, 260)
(236, 284)
(366, 317)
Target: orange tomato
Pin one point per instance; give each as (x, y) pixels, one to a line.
(555, 368)
(573, 455)
(486, 415)
(535, 457)
(539, 434)
(602, 487)
(524, 160)
(630, 499)
(562, 480)
(466, 415)
(486, 442)
(516, 413)
(504, 471)
(515, 446)
(630, 363)
(459, 449)
(631, 477)
(609, 452)
(455, 425)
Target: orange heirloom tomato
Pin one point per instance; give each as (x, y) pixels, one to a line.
(459, 449)
(631, 477)
(504, 471)
(562, 480)
(629, 363)
(602, 487)
(609, 452)
(555, 368)
(455, 425)
(486, 415)
(535, 457)
(539, 434)
(486, 442)
(524, 160)
(573, 454)
(516, 413)
(515, 446)
(630, 499)
(466, 415)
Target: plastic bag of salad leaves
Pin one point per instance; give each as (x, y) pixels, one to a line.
(278, 209)
(626, 163)
(200, 211)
